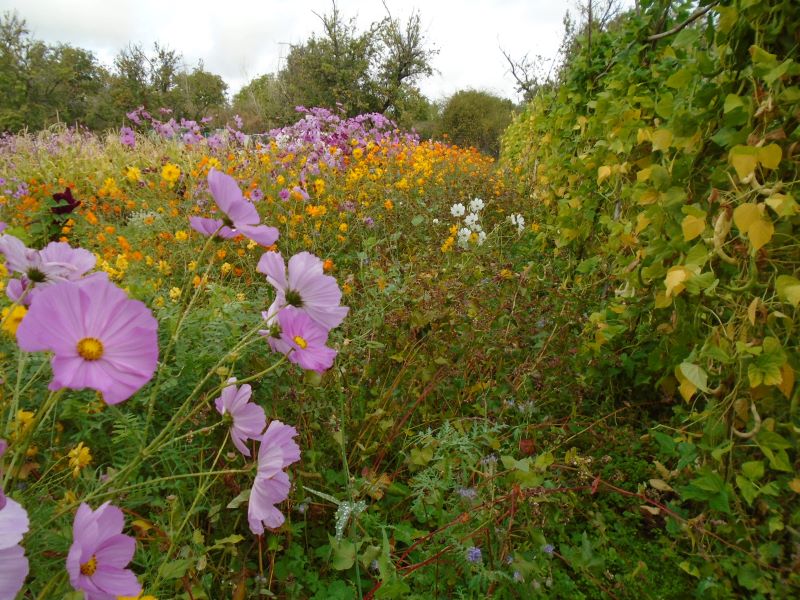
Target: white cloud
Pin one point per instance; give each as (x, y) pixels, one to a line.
(241, 39)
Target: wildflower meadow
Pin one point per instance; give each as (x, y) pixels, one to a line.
(336, 360)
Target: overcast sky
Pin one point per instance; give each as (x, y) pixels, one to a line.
(242, 39)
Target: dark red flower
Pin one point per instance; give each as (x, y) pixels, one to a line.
(71, 202)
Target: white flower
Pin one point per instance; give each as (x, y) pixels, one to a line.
(470, 220)
(476, 205)
(436, 221)
(518, 220)
(457, 210)
(481, 237)
(463, 237)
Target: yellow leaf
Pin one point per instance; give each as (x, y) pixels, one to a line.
(751, 310)
(787, 380)
(644, 174)
(760, 233)
(692, 227)
(661, 485)
(788, 288)
(648, 197)
(745, 215)
(794, 484)
(675, 280)
(641, 223)
(744, 160)
(783, 205)
(603, 173)
(770, 156)
(662, 300)
(686, 387)
(644, 135)
(662, 139)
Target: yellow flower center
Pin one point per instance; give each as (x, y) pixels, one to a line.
(90, 348)
(300, 342)
(89, 567)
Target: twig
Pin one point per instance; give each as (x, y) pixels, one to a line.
(695, 15)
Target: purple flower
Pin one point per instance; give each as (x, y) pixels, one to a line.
(548, 549)
(100, 338)
(248, 419)
(13, 525)
(277, 451)
(99, 554)
(241, 217)
(474, 554)
(127, 137)
(306, 287)
(302, 340)
(283, 194)
(2, 225)
(256, 195)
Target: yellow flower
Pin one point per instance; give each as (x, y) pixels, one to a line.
(388, 205)
(192, 265)
(226, 268)
(342, 227)
(358, 153)
(319, 187)
(12, 321)
(133, 174)
(181, 235)
(170, 173)
(164, 267)
(139, 597)
(79, 457)
(23, 421)
(175, 293)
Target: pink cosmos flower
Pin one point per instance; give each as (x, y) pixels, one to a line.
(99, 554)
(13, 525)
(277, 451)
(306, 287)
(100, 338)
(241, 217)
(56, 262)
(248, 419)
(302, 340)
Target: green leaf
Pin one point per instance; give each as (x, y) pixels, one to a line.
(695, 375)
(174, 569)
(343, 553)
(753, 470)
(680, 78)
(788, 289)
(231, 540)
(748, 490)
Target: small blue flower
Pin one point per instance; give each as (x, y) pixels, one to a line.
(474, 554)
(548, 549)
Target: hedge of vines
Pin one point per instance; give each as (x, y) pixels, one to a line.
(664, 170)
